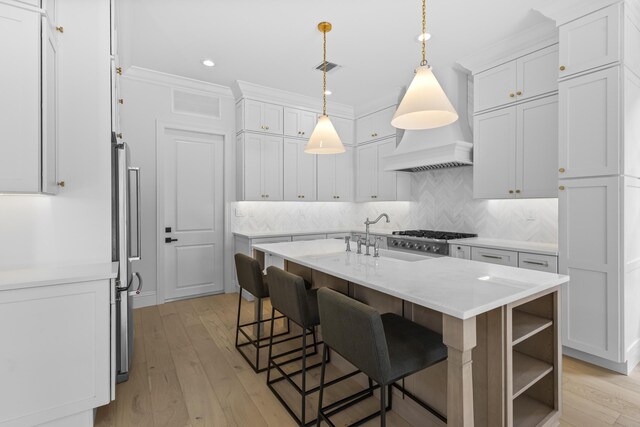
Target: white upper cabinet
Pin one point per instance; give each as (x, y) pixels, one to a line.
(260, 167)
(335, 177)
(49, 107)
(590, 41)
(299, 123)
(20, 109)
(529, 76)
(367, 178)
(299, 172)
(344, 127)
(590, 124)
(387, 181)
(376, 125)
(260, 117)
(373, 182)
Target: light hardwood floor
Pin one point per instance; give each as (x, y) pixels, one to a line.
(187, 372)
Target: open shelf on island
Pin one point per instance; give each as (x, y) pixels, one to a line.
(527, 371)
(529, 412)
(526, 325)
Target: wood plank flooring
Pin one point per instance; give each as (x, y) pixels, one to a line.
(187, 372)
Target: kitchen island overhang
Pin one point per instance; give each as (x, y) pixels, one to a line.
(503, 319)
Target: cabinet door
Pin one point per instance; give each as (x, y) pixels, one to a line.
(494, 154)
(537, 148)
(272, 169)
(459, 251)
(307, 123)
(253, 112)
(327, 177)
(495, 86)
(273, 118)
(589, 253)
(49, 108)
(387, 181)
(590, 124)
(495, 256)
(344, 127)
(252, 167)
(291, 120)
(306, 173)
(537, 73)
(20, 107)
(291, 167)
(344, 175)
(367, 173)
(381, 123)
(364, 131)
(590, 41)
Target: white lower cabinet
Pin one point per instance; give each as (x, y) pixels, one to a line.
(538, 262)
(589, 253)
(260, 167)
(460, 251)
(373, 182)
(299, 172)
(495, 256)
(335, 177)
(304, 237)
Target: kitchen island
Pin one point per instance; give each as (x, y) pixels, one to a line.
(500, 325)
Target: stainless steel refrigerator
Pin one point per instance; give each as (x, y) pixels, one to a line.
(126, 246)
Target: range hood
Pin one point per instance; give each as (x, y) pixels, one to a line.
(421, 150)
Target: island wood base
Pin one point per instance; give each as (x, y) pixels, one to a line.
(503, 368)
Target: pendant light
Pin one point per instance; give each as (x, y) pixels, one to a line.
(324, 139)
(425, 105)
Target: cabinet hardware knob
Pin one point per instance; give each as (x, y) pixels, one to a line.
(121, 101)
(512, 95)
(561, 170)
(119, 71)
(60, 29)
(562, 68)
(561, 187)
(303, 133)
(519, 92)
(119, 135)
(337, 197)
(510, 191)
(267, 196)
(267, 127)
(517, 191)
(60, 184)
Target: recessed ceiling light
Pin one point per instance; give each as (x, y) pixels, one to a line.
(425, 36)
(327, 92)
(208, 63)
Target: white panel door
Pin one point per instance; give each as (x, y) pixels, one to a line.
(387, 181)
(253, 115)
(20, 99)
(291, 119)
(272, 116)
(49, 108)
(252, 167)
(495, 86)
(537, 73)
(589, 253)
(537, 148)
(494, 154)
(344, 127)
(590, 124)
(327, 177)
(299, 172)
(290, 174)
(367, 173)
(272, 169)
(344, 175)
(364, 129)
(590, 41)
(382, 123)
(193, 199)
(307, 123)
(306, 173)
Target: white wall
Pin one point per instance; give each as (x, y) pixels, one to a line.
(74, 226)
(147, 100)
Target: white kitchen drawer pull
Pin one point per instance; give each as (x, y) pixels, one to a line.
(491, 256)
(542, 263)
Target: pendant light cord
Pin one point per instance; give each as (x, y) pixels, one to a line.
(424, 33)
(324, 75)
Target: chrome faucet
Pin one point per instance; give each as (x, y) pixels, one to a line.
(367, 223)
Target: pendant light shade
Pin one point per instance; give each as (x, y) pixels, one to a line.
(324, 139)
(425, 105)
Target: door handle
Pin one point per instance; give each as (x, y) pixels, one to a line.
(169, 240)
(137, 291)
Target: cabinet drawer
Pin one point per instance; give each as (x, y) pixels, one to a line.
(263, 240)
(302, 237)
(460, 251)
(538, 262)
(495, 256)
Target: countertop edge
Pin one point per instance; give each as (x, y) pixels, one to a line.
(508, 245)
(55, 275)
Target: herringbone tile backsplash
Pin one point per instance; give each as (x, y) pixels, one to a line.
(442, 200)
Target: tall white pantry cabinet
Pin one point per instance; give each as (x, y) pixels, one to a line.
(599, 185)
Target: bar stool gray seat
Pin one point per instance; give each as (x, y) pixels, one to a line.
(387, 348)
(293, 299)
(251, 280)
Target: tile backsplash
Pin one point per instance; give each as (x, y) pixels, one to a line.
(442, 200)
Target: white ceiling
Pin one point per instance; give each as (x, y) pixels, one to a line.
(276, 43)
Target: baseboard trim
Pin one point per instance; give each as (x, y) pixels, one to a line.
(145, 299)
(621, 368)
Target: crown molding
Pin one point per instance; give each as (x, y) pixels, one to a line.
(392, 98)
(567, 10)
(242, 89)
(532, 39)
(174, 81)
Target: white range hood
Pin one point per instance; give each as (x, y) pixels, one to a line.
(430, 149)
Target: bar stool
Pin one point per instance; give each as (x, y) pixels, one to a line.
(251, 280)
(290, 297)
(387, 348)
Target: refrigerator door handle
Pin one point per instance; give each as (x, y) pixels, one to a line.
(137, 291)
(138, 255)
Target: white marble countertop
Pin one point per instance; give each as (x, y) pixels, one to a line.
(264, 234)
(452, 286)
(56, 274)
(509, 245)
